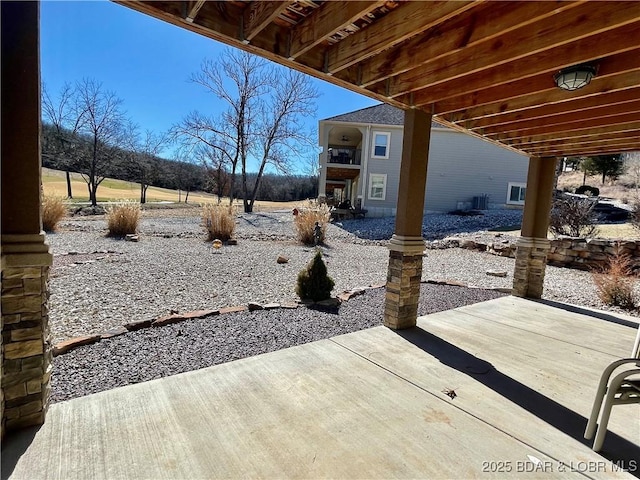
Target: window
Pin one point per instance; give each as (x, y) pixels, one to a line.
(377, 186)
(516, 193)
(380, 145)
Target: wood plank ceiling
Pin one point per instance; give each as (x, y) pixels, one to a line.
(485, 67)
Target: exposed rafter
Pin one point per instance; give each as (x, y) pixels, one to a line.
(482, 67)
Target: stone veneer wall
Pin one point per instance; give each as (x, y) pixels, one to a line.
(403, 290)
(578, 253)
(588, 253)
(26, 347)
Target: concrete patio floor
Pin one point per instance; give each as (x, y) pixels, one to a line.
(371, 404)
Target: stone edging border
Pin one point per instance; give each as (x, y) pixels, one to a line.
(73, 343)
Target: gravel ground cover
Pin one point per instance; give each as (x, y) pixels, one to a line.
(158, 352)
(98, 283)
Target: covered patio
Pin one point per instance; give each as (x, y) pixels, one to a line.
(497, 389)
(546, 79)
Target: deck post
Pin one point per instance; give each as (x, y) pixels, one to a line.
(407, 245)
(533, 246)
(25, 258)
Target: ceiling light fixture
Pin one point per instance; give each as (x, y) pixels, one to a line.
(345, 138)
(573, 78)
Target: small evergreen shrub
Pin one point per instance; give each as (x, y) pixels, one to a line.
(573, 217)
(305, 222)
(615, 282)
(313, 282)
(588, 190)
(219, 221)
(53, 210)
(123, 219)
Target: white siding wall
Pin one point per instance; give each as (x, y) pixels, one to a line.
(388, 166)
(462, 166)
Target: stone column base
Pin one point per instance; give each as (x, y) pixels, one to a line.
(403, 282)
(26, 344)
(531, 262)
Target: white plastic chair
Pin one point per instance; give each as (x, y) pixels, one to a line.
(622, 388)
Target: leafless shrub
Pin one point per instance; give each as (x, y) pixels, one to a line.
(123, 219)
(305, 222)
(573, 217)
(219, 221)
(53, 210)
(634, 217)
(615, 281)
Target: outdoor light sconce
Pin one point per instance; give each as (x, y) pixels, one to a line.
(345, 138)
(573, 78)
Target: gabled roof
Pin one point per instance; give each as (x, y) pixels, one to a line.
(382, 114)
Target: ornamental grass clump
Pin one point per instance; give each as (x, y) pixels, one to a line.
(313, 282)
(305, 224)
(123, 219)
(615, 282)
(219, 221)
(53, 210)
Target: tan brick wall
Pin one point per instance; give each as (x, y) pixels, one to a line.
(403, 290)
(26, 346)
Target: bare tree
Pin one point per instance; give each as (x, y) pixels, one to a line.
(632, 163)
(62, 115)
(216, 165)
(262, 122)
(101, 121)
(144, 151)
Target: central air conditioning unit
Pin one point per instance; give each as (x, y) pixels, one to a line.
(481, 202)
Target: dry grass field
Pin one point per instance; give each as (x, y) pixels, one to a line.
(111, 190)
(620, 191)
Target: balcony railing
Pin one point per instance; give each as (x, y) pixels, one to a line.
(344, 156)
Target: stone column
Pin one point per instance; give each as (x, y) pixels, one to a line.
(533, 246)
(25, 258)
(406, 245)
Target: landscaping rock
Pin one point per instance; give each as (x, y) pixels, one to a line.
(72, 343)
(253, 306)
(496, 273)
(282, 259)
(131, 237)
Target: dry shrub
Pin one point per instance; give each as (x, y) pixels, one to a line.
(53, 210)
(123, 219)
(615, 281)
(219, 221)
(573, 217)
(634, 216)
(305, 223)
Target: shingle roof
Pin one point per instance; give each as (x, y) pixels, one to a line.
(382, 114)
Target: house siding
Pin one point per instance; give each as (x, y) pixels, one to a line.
(462, 166)
(389, 167)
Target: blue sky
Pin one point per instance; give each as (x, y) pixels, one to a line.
(146, 62)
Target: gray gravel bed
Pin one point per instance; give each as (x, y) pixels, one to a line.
(158, 352)
(173, 268)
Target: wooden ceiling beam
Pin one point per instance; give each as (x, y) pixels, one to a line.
(576, 134)
(566, 120)
(193, 8)
(622, 137)
(398, 25)
(580, 104)
(485, 104)
(578, 149)
(258, 15)
(620, 45)
(562, 128)
(483, 22)
(589, 151)
(325, 21)
(584, 20)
